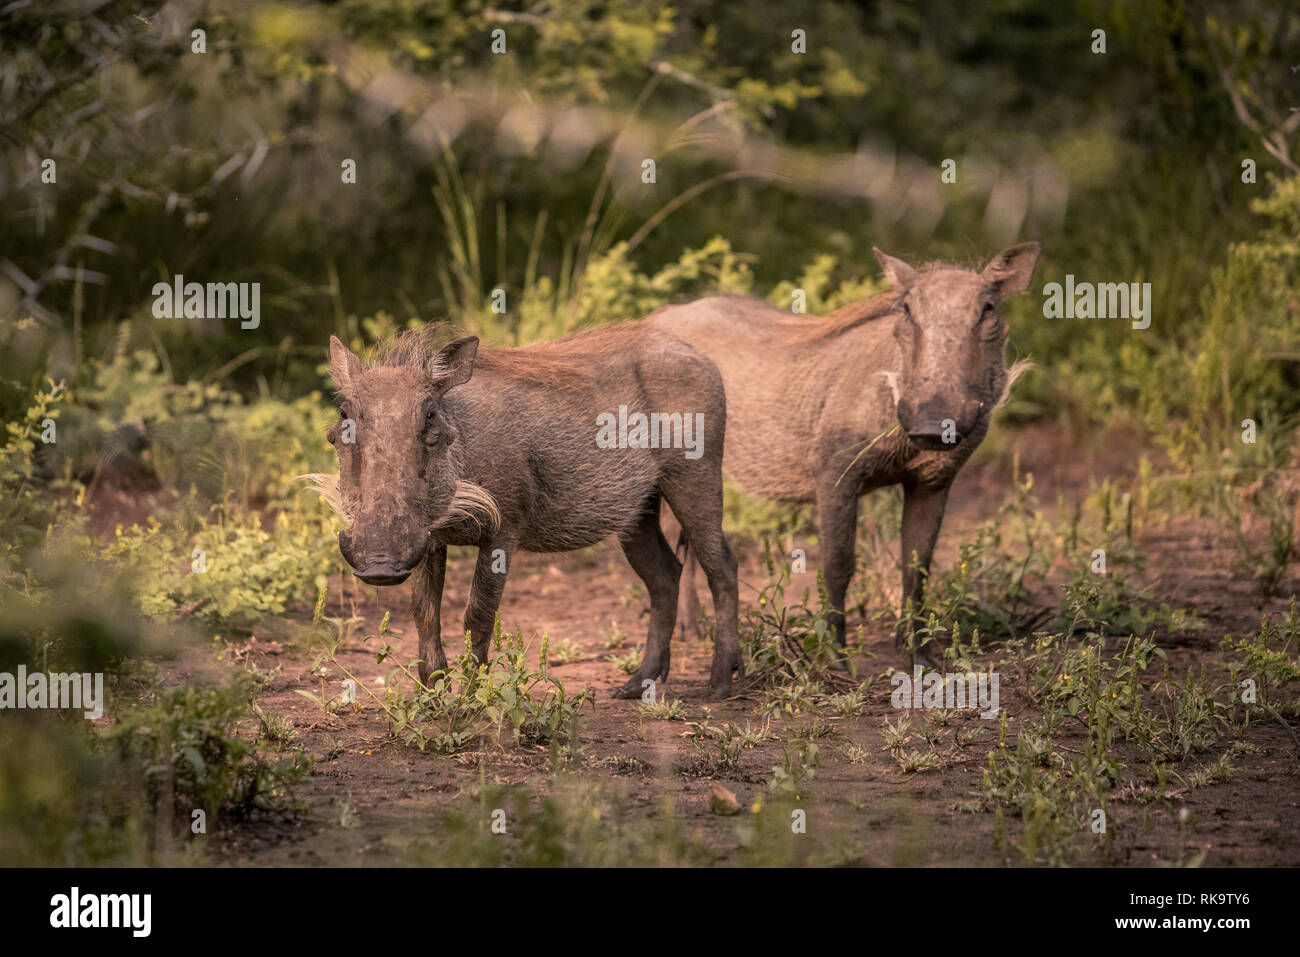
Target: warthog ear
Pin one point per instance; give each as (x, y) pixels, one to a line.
(896, 271)
(1011, 269)
(344, 365)
(453, 364)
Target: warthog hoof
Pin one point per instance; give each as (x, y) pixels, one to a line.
(650, 670)
(632, 689)
(726, 661)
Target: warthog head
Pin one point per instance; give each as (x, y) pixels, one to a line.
(953, 342)
(400, 455)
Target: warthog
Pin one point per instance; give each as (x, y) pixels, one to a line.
(502, 449)
(893, 390)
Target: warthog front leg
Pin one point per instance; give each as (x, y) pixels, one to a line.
(426, 609)
(837, 518)
(651, 557)
(922, 517)
(485, 594)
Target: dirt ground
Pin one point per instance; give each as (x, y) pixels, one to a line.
(374, 800)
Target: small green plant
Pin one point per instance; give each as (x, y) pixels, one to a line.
(1267, 660)
(850, 704)
(665, 710)
(188, 741)
(615, 638)
(792, 640)
(855, 753)
(1218, 771)
(470, 698)
(717, 749)
(913, 761)
(896, 735)
(800, 760)
(715, 754)
(565, 651)
(628, 662)
(989, 590)
(276, 729)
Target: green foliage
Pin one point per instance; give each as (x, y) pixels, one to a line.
(24, 513)
(988, 589)
(790, 636)
(63, 800)
(194, 434)
(1163, 723)
(800, 758)
(1267, 659)
(471, 698)
(612, 289)
(77, 795)
(995, 587)
(717, 749)
(244, 571)
(214, 165)
(574, 822)
(189, 748)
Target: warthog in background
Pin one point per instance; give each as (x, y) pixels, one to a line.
(893, 390)
(497, 448)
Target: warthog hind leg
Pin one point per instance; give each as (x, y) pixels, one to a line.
(651, 557)
(700, 512)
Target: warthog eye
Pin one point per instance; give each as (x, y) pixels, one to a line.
(990, 323)
(432, 434)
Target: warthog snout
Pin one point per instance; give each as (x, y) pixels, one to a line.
(936, 425)
(377, 566)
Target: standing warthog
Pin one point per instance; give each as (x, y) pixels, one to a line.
(502, 449)
(893, 390)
